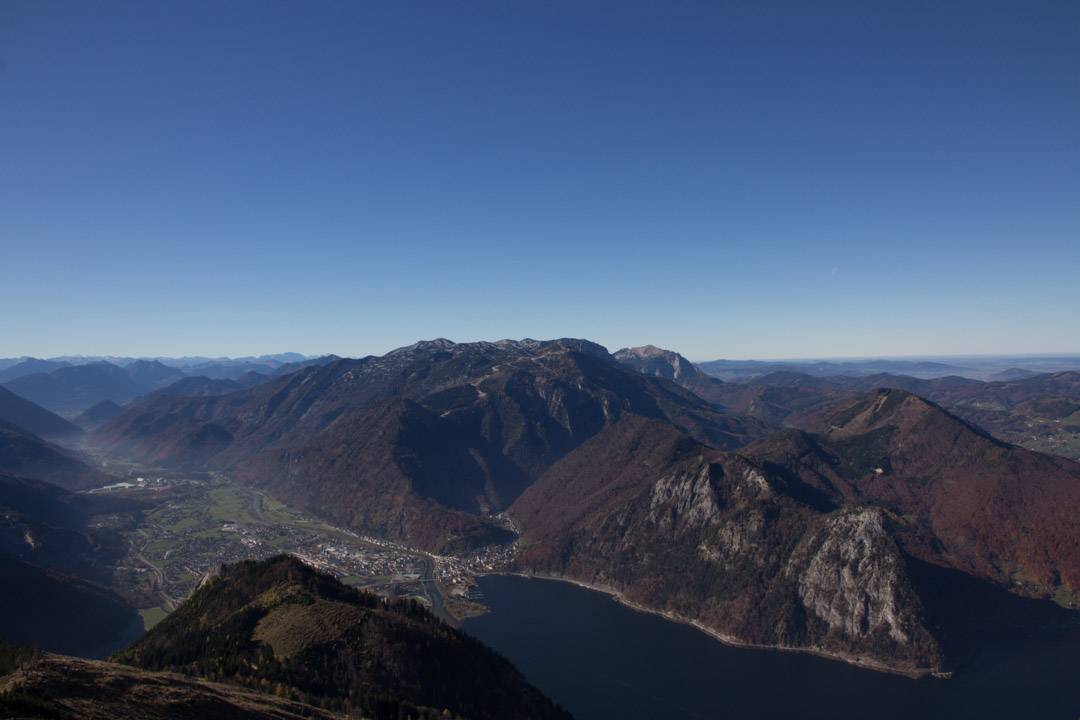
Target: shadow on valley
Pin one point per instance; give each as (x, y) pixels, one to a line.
(61, 613)
(973, 618)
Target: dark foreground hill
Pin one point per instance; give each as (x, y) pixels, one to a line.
(54, 687)
(55, 569)
(282, 627)
(422, 444)
(61, 613)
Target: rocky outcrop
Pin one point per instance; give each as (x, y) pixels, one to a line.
(712, 538)
(851, 576)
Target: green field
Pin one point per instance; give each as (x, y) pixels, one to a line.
(230, 505)
(152, 616)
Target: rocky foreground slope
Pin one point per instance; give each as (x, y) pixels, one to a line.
(56, 687)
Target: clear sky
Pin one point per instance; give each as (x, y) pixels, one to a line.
(743, 179)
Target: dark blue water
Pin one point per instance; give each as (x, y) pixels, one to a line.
(602, 660)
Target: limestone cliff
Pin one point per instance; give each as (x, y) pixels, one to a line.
(712, 538)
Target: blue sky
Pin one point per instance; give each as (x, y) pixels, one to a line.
(725, 179)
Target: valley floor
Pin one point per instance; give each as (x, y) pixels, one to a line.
(186, 525)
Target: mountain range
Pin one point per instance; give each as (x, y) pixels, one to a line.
(423, 444)
(638, 473)
(839, 515)
(74, 388)
(69, 388)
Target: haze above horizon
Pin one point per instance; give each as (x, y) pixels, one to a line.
(772, 181)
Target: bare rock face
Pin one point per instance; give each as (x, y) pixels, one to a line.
(652, 360)
(852, 579)
(684, 499)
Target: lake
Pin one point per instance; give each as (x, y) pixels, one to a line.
(601, 660)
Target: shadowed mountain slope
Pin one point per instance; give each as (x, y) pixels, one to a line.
(201, 386)
(61, 613)
(32, 417)
(97, 415)
(26, 455)
(55, 566)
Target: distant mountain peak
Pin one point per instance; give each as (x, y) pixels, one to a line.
(426, 345)
(652, 360)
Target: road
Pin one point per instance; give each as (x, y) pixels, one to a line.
(168, 602)
(438, 607)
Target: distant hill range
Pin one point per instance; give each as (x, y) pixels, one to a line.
(30, 366)
(975, 367)
(70, 390)
(745, 369)
(70, 387)
(1039, 411)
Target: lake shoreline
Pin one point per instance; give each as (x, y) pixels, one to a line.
(731, 640)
